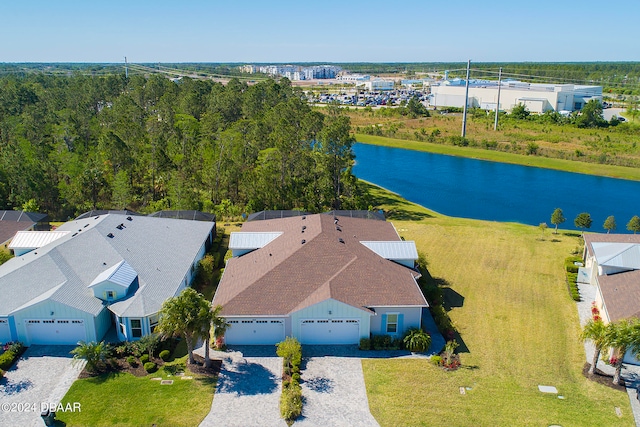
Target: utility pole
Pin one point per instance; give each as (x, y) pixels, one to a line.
(466, 101)
(126, 68)
(495, 123)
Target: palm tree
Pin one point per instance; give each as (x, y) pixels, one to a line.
(93, 352)
(595, 330)
(623, 336)
(220, 324)
(184, 315)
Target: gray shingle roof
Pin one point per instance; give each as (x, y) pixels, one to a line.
(160, 250)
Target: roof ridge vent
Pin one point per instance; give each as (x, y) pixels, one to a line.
(129, 218)
(341, 240)
(303, 241)
(110, 235)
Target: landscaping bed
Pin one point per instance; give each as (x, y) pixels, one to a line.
(602, 378)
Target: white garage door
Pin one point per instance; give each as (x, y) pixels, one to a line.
(255, 332)
(5, 333)
(334, 331)
(56, 331)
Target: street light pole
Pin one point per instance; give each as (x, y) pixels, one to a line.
(495, 123)
(466, 101)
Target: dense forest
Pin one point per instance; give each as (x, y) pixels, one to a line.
(74, 143)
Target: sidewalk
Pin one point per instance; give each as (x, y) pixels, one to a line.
(630, 373)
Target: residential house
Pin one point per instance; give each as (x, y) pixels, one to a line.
(13, 221)
(101, 272)
(612, 265)
(324, 279)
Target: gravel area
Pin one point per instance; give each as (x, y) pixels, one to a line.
(334, 393)
(42, 376)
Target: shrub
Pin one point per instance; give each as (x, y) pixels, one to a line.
(436, 360)
(131, 360)
(417, 340)
(144, 359)
(6, 360)
(165, 354)
(150, 367)
(291, 352)
(291, 402)
(295, 377)
(1, 374)
(175, 367)
(365, 344)
(440, 316)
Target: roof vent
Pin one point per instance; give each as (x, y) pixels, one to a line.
(74, 234)
(110, 235)
(338, 228)
(120, 227)
(97, 217)
(304, 217)
(341, 240)
(129, 218)
(335, 220)
(86, 225)
(304, 227)
(303, 241)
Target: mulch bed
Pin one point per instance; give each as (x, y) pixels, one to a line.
(120, 365)
(602, 378)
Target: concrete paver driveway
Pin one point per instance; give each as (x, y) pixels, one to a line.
(248, 392)
(42, 376)
(334, 393)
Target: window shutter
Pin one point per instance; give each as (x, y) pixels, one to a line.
(383, 326)
(400, 325)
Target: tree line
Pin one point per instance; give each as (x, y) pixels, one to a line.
(583, 221)
(69, 144)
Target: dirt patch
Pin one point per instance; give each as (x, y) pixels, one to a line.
(199, 368)
(602, 378)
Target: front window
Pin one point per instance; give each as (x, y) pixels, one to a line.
(136, 328)
(392, 323)
(153, 322)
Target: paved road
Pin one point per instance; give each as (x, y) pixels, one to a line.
(607, 113)
(42, 376)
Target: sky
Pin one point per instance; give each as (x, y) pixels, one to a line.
(318, 31)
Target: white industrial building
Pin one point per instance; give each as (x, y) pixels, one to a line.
(378, 84)
(538, 98)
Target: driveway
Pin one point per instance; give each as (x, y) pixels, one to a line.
(334, 393)
(248, 391)
(42, 376)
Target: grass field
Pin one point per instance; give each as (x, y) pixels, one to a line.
(503, 157)
(518, 327)
(112, 400)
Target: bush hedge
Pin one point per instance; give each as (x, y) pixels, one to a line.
(131, 360)
(165, 355)
(572, 276)
(144, 358)
(1, 374)
(291, 401)
(12, 352)
(365, 344)
(150, 367)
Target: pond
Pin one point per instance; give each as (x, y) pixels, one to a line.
(470, 188)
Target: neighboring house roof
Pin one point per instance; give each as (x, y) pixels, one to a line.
(35, 239)
(393, 249)
(22, 216)
(263, 215)
(13, 221)
(302, 267)
(99, 212)
(160, 250)
(621, 294)
(192, 215)
(620, 291)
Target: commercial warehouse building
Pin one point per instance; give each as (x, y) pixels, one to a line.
(538, 98)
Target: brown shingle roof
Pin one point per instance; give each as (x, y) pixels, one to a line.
(621, 294)
(286, 275)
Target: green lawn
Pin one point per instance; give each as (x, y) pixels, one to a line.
(125, 400)
(518, 325)
(501, 156)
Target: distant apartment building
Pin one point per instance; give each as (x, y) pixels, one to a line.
(294, 72)
(353, 78)
(538, 98)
